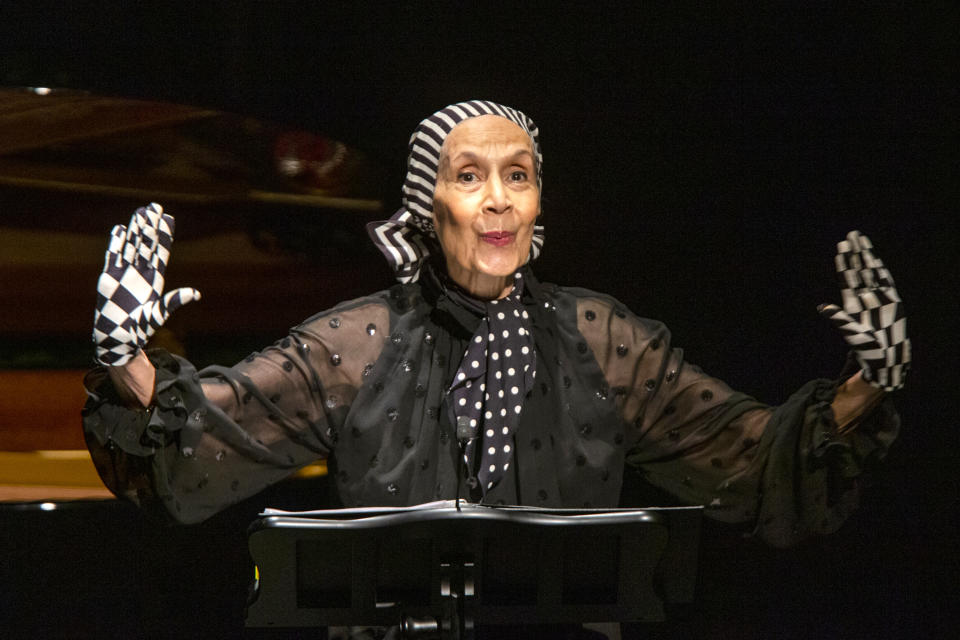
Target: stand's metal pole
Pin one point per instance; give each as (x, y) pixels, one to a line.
(457, 585)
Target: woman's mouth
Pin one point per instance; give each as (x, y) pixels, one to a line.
(498, 238)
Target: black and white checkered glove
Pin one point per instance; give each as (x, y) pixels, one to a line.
(130, 300)
(872, 320)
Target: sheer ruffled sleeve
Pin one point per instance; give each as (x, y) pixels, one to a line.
(787, 469)
(217, 436)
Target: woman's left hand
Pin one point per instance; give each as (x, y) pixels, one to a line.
(872, 319)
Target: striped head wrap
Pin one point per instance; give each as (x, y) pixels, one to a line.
(405, 239)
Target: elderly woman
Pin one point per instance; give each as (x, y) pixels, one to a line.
(472, 376)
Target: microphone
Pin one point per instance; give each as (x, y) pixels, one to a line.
(466, 433)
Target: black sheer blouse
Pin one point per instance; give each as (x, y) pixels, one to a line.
(365, 384)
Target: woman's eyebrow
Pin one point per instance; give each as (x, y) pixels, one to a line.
(523, 152)
(465, 155)
(472, 157)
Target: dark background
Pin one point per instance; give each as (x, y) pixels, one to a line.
(701, 162)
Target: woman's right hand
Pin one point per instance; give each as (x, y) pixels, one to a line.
(131, 304)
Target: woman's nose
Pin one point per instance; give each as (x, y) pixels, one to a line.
(497, 197)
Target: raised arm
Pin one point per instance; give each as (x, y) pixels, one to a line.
(131, 304)
(873, 323)
(187, 443)
(791, 469)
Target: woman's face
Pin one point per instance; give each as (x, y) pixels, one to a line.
(485, 203)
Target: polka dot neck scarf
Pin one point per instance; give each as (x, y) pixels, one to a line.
(488, 390)
(408, 238)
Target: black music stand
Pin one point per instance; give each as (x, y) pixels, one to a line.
(437, 571)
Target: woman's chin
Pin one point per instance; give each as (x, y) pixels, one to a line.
(499, 269)
(499, 263)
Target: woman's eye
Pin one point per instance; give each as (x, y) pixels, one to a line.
(467, 177)
(518, 176)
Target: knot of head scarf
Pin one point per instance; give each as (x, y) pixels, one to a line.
(487, 394)
(406, 238)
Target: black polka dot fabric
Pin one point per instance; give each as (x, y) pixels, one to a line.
(497, 369)
(217, 436)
